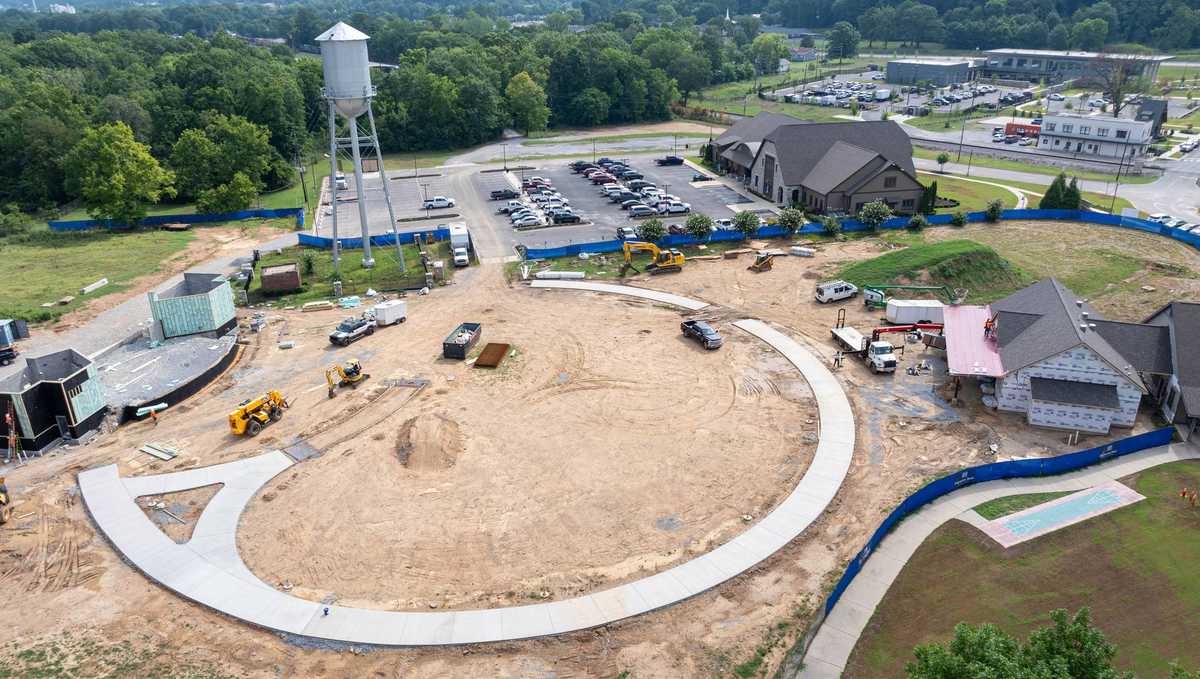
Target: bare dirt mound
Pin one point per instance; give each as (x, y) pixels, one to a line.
(429, 442)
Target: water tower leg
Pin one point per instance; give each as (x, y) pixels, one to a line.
(333, 204)
(387, 196)
(368, 260)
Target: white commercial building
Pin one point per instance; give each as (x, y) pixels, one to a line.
(1095, 135)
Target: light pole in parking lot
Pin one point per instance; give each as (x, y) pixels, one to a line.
(504, 155)
(425, 188)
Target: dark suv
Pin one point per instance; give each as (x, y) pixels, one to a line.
(505, 194)
(669, 160)
(352, 329)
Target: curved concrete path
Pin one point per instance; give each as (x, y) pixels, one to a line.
(830, 649)
(208, 569)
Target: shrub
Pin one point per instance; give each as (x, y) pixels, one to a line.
(874, 213)
(831, 225)
(918, 222)
(791, 220)
(308, 262)
(747, 223)
(992, 213)
(699, 226)
(652, 230)
(959, 218)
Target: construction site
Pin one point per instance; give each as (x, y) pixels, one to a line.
(601, 449)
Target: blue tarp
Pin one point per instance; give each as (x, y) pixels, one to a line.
(991, 472)
(440, 233)
(157, 220)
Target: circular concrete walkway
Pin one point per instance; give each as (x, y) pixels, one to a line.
(208, 569)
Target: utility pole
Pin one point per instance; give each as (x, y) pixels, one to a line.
(1113, 205)
(962, 137)
(504, 154)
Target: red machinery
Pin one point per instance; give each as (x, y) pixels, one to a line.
(1022, 129)
(904, 328)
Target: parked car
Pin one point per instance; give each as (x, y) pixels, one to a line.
(631, 174)
(525, 212)
(674, 208)
(1174, 223)
(565, 218)
(627, 233)
(1012, 139)
(1160, 217)
(531, 220)
(1189, 146)
(1028, 141)
(702, 332)
(625, 205)
(639, 184)
(835, 290)
(351, 330)
(609, 189)
(602, 178)
(669, 160)
(723, 224)
(623, 196)
(511, 206)
(437, 203)
(997, 137)
(504, 194)
(641, 211)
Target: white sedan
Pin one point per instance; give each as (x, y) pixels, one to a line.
(531, 220)
(674, 208)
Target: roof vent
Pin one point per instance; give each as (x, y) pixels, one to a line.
(1083, 327)
(1084, 314)
(1092, 326)
(1079, 303)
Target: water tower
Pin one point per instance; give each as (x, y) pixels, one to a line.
(348, 91)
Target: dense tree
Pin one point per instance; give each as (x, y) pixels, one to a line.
(236, 194)
(766, 51)
(206, 158)
(115, 175)
(590, 107)
(791, 219)
(746, 222)
(527, 103)
(699, 226)
(691, 72)
(919, 22)
(1052, 198)
(652, 230)
(1071, 647)
(843, 41)
(1089, 34)
(874, 214)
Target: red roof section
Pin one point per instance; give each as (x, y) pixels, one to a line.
(968, 351)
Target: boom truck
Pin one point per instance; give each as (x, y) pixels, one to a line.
(877, 353)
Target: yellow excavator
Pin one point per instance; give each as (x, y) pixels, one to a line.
(252, 415)
(348, 375)
(664, 260)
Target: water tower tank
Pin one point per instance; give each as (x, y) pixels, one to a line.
(347, 68)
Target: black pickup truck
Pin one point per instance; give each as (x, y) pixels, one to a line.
(702, 332)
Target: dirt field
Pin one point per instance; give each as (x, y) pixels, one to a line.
(606, 448)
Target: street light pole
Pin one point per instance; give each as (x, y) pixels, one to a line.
(504, 154)
(961, 138)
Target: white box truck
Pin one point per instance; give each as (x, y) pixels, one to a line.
(909, 311)
(460, 244)
(883, 94)
(390, 312)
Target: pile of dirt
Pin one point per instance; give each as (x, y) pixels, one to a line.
(955, 264)
(429, 442)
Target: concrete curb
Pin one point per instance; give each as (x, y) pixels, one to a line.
(209, 570)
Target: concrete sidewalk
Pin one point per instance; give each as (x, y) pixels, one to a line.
(835, 640)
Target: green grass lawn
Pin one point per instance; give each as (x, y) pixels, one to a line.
(1003, 506)
(608, 265)
(953, 263)
(56, 265)
(1099, 200)
(972, 196)
(753, 106)
(318, 285)
(1135, 567)
(1018, 166)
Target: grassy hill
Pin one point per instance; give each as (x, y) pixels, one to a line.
(953, 263)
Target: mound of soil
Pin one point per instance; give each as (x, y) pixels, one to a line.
(428, 442)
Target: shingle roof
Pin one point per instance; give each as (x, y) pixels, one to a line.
(1146, 347)
(756, 128)
(838, 164)
(742, 153)
(1055, 330)
(801, 148)
(1183, 320)
(1074, 393)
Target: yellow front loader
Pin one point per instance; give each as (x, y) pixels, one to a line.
(251, 416)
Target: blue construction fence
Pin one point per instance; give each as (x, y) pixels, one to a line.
(995, 471)
(440, 233)
(296, 213)
(851, 225)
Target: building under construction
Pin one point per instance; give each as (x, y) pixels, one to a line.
(55, 396)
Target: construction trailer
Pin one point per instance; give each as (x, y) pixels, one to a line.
(200, 304)
(56, 396)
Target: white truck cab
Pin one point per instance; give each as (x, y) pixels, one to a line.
(881, 357)
(461, 258)
(834, 291)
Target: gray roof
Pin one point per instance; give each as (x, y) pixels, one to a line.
(742, 153)
(1074, 393)
(1152, 109)
(803, 150)
(755, 129)
(1146, 347)
(1183, 321)
(1055, 330)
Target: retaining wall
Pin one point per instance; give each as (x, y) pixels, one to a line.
(158, 220)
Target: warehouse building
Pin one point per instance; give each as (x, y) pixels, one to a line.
(55, 396)
(939, 72)
(202, 303)
(1055, 66)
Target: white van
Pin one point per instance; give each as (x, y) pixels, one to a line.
(834, 291)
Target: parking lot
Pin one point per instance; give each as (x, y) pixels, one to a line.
(407, 194)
